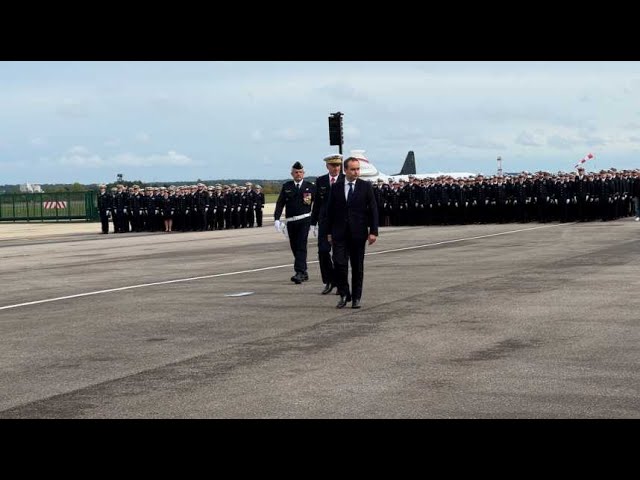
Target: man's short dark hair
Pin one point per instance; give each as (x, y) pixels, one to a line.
(349, 160)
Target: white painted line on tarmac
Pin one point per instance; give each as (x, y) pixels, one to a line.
(130, 287)
(288, 265)
(467, 238)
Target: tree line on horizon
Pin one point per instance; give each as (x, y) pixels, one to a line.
(268, 186)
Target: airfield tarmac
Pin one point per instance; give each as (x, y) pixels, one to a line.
(479, 321)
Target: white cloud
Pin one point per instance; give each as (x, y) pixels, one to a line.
(343, 91)
(530, 139)
(560, 141)
(595, 140)
(289, 134)
(112, 142)
(12, 165)
(81, 157)
(405, 133)
(72, 109)
(38, 142)
(143, 137)
(352, 132)
(78, 150)
(477, 142)
(171, 158)
(257, 135)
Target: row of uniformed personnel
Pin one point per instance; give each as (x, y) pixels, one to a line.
(542, 197)
(184, 208)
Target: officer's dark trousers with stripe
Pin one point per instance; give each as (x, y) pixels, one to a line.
(324, 256)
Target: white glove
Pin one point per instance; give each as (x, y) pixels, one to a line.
(278, 225)
(315, 231)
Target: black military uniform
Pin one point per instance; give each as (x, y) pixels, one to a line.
(324, 183)
(259, 205)
(105, 203)
(297, 198)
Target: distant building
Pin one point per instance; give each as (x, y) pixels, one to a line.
(31, 188)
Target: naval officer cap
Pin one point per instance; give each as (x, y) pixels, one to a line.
(297, 166)
(334, 159)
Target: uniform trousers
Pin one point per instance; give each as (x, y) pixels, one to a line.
(298, 234)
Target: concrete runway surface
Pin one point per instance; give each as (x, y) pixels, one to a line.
(480, 321)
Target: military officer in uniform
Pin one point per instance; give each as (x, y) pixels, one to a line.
(296, 197)
(324, 183)
(259, 205)
(104, 207)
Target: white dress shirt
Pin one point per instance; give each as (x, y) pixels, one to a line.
(346, 188)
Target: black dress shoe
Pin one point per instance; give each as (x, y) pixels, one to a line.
(343, 302)
(297, 279)
(356, 303)
(327, 288)
(305, 277)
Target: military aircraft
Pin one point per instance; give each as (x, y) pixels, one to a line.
(368, 170)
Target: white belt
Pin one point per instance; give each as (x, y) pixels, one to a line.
(297, 217)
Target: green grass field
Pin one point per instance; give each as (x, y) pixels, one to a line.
(270, 197)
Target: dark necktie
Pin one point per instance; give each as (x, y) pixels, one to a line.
(333, 180)
(298, 186)
(350, 191)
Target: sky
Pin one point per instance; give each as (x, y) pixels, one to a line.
(66, 122)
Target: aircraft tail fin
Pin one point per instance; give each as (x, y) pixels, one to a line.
(409, 166)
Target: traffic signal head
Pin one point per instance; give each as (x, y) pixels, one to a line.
(335, 130)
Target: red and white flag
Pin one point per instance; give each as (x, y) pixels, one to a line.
(588, 156)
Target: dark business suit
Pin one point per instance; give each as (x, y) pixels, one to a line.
(319, 217)
(350, 225)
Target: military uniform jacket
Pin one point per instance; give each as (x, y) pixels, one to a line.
(105, 202)
(323, 189)
(296, 201)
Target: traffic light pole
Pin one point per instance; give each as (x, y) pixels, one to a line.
(336, 136)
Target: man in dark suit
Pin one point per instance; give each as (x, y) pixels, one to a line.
(324, 184)
(297, 196)
(352, 220)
